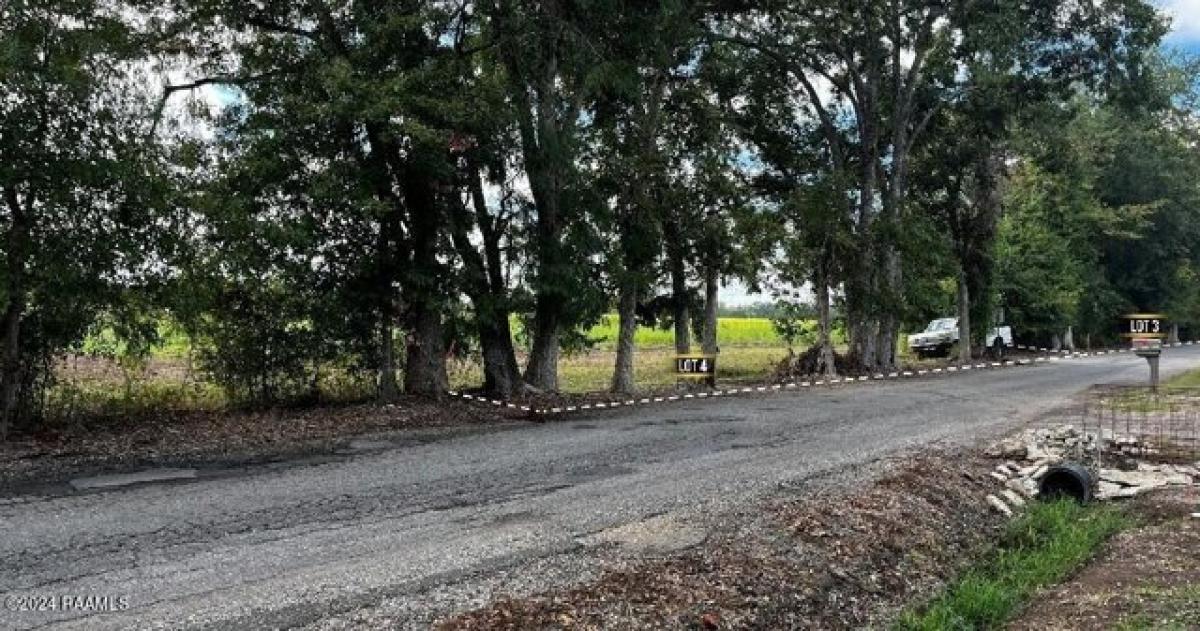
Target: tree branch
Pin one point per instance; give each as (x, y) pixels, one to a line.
(171, 89)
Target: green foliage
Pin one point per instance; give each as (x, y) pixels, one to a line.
(1039, 277)
(256, 346)
(793, 323)
(334, 212)
(1100, 218)
(85, 195)
(1188, 379)
(1039, 548)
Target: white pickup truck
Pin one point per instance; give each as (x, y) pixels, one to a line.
(941, 334)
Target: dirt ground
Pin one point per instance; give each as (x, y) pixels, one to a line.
(848, 559)
(1145, 578)
(835, 558)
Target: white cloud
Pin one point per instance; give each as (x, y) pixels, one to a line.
(1185, 18)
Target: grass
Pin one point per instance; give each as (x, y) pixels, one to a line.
(88, 397)
(1143, 401)
(591, 371)
(750, 351)
(1040, 548)
(655, 368)
(1189, 379)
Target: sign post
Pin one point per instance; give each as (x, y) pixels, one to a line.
(1146, 332)
(703, 367)
(1151, 350)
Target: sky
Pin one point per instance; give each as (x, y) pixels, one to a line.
(1185, 26)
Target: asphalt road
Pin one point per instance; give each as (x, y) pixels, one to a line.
(405, 528)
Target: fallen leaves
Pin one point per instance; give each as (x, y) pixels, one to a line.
(834, 560)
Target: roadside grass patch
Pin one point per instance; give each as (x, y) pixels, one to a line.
(1039, 548)
(1143, 401)
(1189, 379)
(655, 368)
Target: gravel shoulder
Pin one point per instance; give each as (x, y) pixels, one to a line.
(827, 556)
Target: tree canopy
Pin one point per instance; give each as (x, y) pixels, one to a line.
(385, 185)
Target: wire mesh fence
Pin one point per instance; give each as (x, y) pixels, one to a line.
(1122, 421)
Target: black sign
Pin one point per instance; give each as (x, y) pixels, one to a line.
(1144, 326)
(696, 365)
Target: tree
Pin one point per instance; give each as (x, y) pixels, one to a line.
(1122, 185)
(484, 207)
(546, 52)
(874, 75)
(348, 101)
(798, 177)
(649, 46)
(83, 193)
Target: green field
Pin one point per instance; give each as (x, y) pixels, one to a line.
(730, 331)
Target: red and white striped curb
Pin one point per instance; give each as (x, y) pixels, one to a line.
(1050, 357)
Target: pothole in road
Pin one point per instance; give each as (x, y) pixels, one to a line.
(655, 536)
(137, 477)
(366, 444)
(704, 419)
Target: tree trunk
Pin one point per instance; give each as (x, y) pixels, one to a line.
(10, 370)
(501, 374)
(1068, 339)
(826, 363)
(1173, 336)
(711, 304)
(388, 390)
(679, 295)
(885, 348)
(10, 381)
(485, 287)
(865, 283)
(425, 364)
(863, 338)
(861, 318)
(542, 369)
(543, 127)
(1055, 342)
(964, 318)
(622, 381)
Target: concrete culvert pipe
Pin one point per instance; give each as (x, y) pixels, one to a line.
(1067, 480)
